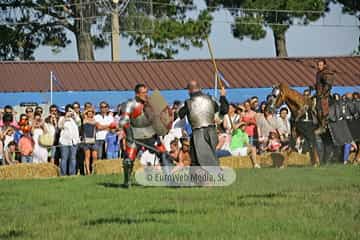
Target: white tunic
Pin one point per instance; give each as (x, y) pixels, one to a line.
(40, 153)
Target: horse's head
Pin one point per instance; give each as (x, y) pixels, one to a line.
(277, 98)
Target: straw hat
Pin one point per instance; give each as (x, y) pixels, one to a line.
(185, 141)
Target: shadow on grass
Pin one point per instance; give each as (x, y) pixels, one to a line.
(264, 195)
(253, 200)
(175, 211)
(256, 203)
(121, 220)
(12, 234)
(163, 211)
(117, 185)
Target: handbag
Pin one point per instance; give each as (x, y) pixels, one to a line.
(46, 140)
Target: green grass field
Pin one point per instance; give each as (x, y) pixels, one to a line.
(293, 203)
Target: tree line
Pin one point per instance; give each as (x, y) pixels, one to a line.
(27, 24)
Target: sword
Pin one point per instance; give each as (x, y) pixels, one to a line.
(143, 145)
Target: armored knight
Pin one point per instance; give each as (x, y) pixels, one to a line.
(200, 110)
(140, 133)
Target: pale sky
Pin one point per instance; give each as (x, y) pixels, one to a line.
(302, 41)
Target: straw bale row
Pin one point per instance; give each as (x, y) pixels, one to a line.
(46, 170)
(29, 170)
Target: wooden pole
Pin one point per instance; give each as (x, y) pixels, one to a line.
(214, 63)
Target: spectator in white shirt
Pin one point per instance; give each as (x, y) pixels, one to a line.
(284, 126)
(103, 121)
(69, 140)
(230, 119)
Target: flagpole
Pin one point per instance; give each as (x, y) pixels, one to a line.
(51, 87)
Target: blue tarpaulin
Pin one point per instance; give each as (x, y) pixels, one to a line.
(115, 97)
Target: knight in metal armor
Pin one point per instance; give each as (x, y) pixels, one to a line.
(323, 85)
(140, 133)
(200, 110)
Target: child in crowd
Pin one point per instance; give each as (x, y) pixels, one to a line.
(240, 145)
(348, 148)
(112, 142)
(274, 144)
(10, 154)
(8, 136)
(26, 145)
(223, 146)
(174, 150)
(18, 132)
(184, 154)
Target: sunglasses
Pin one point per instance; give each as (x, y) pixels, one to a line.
(29, 111)
(104, 106)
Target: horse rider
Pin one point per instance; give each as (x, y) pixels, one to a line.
(323, 85)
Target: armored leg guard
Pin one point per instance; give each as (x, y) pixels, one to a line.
(128, 165)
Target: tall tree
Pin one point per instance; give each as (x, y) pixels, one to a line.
(269, 13)
(351, 7)
(44, 22)
(161, 29)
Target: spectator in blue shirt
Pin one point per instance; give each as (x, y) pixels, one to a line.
(112, 142)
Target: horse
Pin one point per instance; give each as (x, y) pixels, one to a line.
(305, 122)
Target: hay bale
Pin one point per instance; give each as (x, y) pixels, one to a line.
(266, 160)
(352, 157)
(236, 162)
(103, 167)
(107, 166)
(29, 170)
(299, 159)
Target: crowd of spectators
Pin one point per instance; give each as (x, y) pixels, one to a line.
(77, 137)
